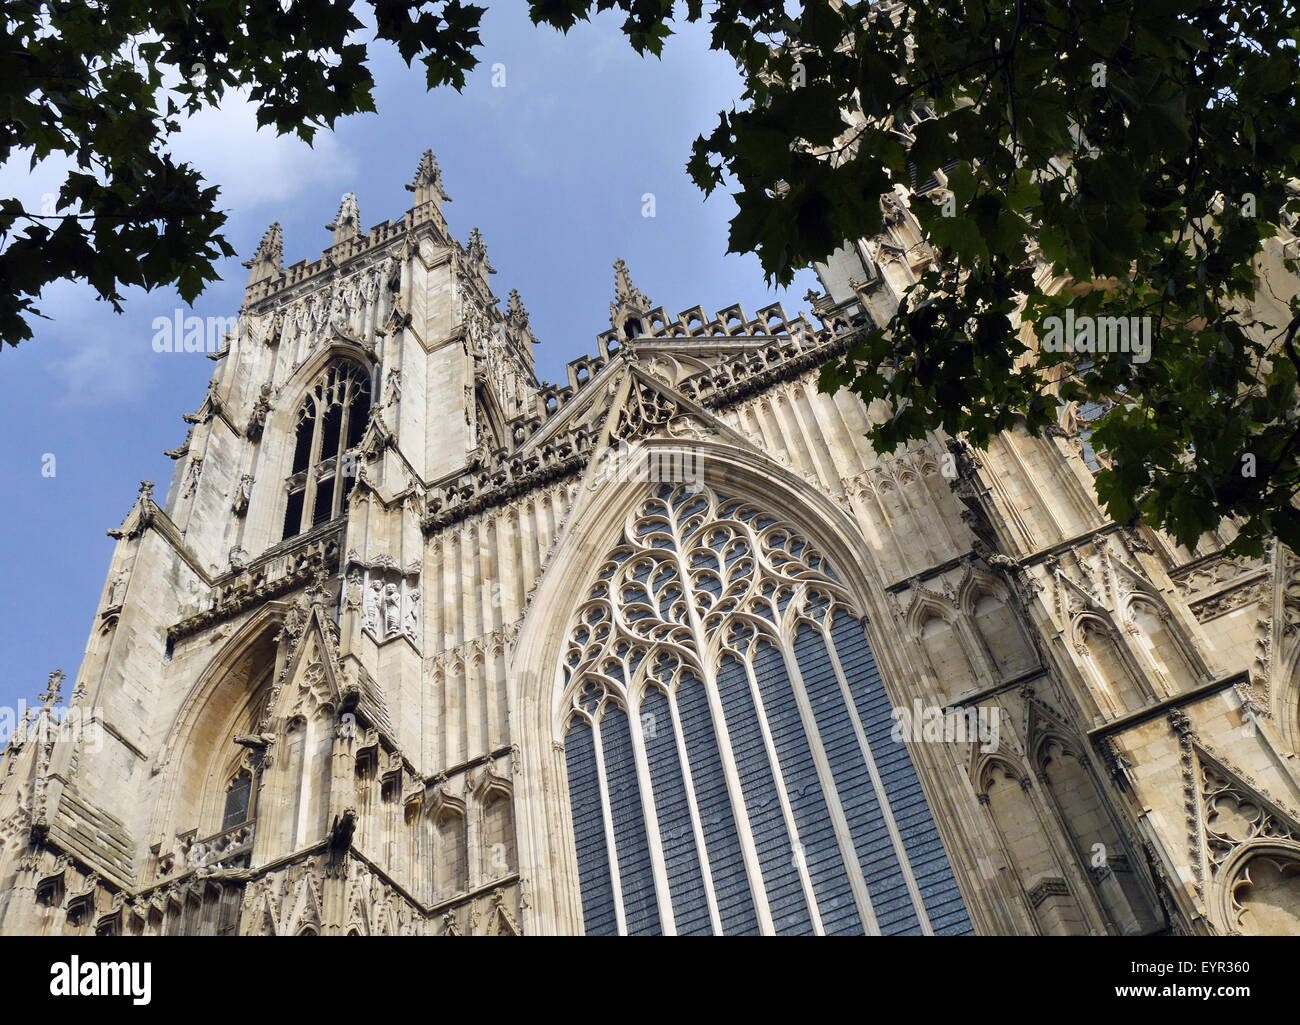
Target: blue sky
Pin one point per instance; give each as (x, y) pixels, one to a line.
(552, 168)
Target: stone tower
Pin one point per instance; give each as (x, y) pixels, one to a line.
(419, 645)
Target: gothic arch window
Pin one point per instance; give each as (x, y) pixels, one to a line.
(1095, 638)
(210, 776)
(1080, 807)
(239, 794)
(328, 427)
(947, 653)
(727, 740)
(1156, 637)
(997, 624)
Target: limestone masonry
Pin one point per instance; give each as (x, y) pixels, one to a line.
(415, 644)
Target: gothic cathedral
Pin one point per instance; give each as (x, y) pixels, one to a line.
(418, 645)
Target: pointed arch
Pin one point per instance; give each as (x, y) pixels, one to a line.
(607, 519)
(1104, 859)
(936, 625)
(1007, 792)
(1149, 617)
(299, 728)
(490, 416)
(305, 917)
(447, 818)
(227, 700)
(494, 798)
(986, 766)
(927, 605)
(1095, 637)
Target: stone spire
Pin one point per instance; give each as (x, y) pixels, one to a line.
(267, 262)
(476, 250)
(629, 302)
(515, 312)
(427, 185)
(347, 222)
(54, 689)
(518, 328)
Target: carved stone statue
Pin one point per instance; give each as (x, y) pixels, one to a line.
(411, 627)
(352, 596)
(371, 621)
(242, 492)
(392, 611)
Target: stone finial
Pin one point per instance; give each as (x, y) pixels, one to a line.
(626, 292)
(54, 688)
(268, 260)
(515, 312)
(518, 327)
(820, 302)
(427, 185)
(629, 302)
(476, 250)
(347, 222)
(146, 489)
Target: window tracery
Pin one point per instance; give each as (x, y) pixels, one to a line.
(329, 426)
(727, 740)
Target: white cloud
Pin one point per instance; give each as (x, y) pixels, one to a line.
(102, 358)
(255, 167)
(99, 357)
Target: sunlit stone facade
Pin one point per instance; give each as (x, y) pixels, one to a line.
(415, 644)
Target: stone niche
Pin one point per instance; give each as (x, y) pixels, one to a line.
(387, 597)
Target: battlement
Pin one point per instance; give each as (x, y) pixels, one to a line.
(380, 236)
(268, 278)
(728, 327)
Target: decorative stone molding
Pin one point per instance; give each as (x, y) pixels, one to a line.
(1052, 886)
(282, 569)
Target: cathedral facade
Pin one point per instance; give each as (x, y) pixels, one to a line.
(415, 644)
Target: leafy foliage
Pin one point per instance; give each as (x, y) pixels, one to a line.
(1140, 149)
(106, 82)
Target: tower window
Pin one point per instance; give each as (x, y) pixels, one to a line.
(338, 407)
(237, 800)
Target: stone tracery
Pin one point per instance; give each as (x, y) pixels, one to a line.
(738, 784)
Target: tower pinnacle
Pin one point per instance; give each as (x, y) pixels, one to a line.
(630, 303)
(476, 250)
(427, 184)
(267, 261)
(347, 222)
